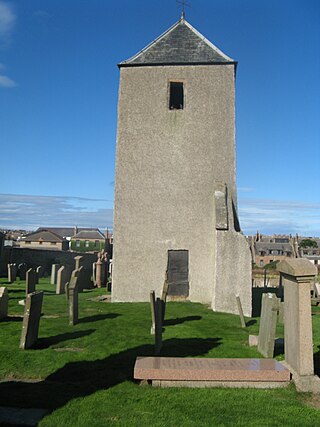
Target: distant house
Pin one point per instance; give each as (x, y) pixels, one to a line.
(89, 240)
(311, 253)
(267, 249)
(44, 239)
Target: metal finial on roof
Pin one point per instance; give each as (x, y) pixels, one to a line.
(183, 4)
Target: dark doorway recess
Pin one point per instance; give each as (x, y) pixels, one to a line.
(178, 273)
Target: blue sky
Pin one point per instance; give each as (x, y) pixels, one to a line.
(58, 105)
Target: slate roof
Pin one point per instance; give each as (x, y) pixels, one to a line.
(181, 44)
(266, 246)
(64, 231)
(89, 234)
(43, 235)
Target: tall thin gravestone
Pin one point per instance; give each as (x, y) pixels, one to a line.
(268, 324)
(242, 319)
(153, 312)
(73, 301)
(158, 326)
(22, 270)
(63, 277)
(298, 275)
(54, 273)
(31, 320)
(12, 273)
(4, 299)
(40, 271)
(31, 280)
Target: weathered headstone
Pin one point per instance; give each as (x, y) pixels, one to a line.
(268, 324)
(78, 261)
(94, 273)
(153, 312)
(98, 273)
(158, 326)
(31, 320)
(31, 280)
(12, 273)
(242, 319)
(63, 277)
(84, 279)
(54, 273)
(317, 289)
(73, 301)
(4, 299)
(22, 269)
(298, 274)
(40, 271)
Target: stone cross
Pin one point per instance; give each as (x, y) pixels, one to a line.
(31, 320)
(4, 299)
(268, 324)
(73, 301)
(31, 281)
(54, 273)
(297, 276)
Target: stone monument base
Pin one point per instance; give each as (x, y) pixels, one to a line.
(201, 372)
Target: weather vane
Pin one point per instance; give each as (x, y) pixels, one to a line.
(183, 3)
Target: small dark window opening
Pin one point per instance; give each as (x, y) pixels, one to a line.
(176, 96)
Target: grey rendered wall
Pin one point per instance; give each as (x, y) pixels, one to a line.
(166, 165)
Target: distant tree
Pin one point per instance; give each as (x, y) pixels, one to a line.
(308, 243)
(272, 265)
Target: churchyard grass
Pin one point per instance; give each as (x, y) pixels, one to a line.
(86, 370)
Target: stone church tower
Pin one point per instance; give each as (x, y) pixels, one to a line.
(175, 188)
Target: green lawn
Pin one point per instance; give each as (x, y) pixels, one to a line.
(86, 370)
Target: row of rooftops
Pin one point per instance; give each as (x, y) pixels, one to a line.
(59, 234)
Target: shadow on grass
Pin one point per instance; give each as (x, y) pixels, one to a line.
(13, 319)
(178, 320)
(98, 317)
(80, 379)
(251, 322)
(43, 343)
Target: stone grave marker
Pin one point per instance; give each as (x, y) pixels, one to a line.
(54, 273)
(22, 269)
(158, 326)
(12, 273)
(40, 271)
(98, 273)
(153, 312)
(4, 299)
(73, 301)
(78, 261)
(31, 281)
(317, 289)
(268, 324)
(94, 273)
(298, 274)
(63, 277)
(31, 320)
(205, 372)
(242, 319)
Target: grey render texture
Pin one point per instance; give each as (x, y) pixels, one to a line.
(175, 183)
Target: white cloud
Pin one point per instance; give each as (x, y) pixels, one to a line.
(6, 82)
(279, 216)
(30, 212)
(7, 22)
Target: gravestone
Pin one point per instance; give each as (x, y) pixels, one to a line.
(84, 279)
(22, 268)
(268, 324)
(31, 280)
(98, 273)
(94, 273)
(73, 301)
(63, 277)
(158, 326)
(31, 320)
(242, 319)
(78, 261)
(12, 273)
(205, 372)
(40, 271)
(4, 299)
(153, 312)
(317, 289)
(297, 276)
(54, 273)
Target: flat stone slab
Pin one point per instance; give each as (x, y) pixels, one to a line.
(201, 369)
